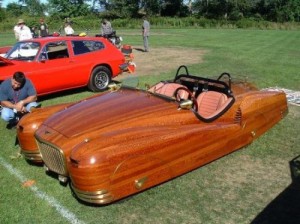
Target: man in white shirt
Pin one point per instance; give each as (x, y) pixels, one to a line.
(16, 31)
(24, 33)
(68, 29)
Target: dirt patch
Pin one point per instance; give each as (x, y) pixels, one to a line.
(159, 60)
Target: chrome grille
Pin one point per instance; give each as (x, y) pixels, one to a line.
(53, 157)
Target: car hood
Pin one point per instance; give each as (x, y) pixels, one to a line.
(122, 109)
(5, 61)
(8, 67)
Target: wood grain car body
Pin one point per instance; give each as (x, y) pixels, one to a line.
(124, 141)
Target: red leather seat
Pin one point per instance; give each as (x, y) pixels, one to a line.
(168, 89)
(210, 102)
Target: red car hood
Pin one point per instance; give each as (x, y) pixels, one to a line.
(9, 67)
(5, 61)
(121, 109)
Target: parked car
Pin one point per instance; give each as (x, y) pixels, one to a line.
(60, 63)
(126, 140)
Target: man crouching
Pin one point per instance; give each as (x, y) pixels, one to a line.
(17, 96)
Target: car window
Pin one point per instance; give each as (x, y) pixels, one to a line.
(55, 50)
(85, 46)
(24, 51)
(95, 45)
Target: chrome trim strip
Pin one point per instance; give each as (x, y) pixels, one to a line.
(34, 156)
(95, 197)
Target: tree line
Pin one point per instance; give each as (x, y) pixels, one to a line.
(269, 10)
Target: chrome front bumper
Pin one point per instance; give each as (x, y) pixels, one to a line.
(34, 156)
(94, 197)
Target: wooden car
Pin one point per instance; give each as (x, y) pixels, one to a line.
(59, 63)
(126, 140)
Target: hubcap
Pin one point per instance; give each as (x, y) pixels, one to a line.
(101, 80)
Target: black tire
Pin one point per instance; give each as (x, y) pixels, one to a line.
(99, 79)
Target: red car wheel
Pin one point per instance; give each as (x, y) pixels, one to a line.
(100, 78)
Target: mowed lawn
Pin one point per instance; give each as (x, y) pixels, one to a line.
(252, 185)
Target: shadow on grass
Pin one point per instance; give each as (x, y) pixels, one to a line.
(63, 93)
(139, 49)
(285, 208)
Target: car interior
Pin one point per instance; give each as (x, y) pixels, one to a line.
(55, 50)
(79, 47)
(211, 98)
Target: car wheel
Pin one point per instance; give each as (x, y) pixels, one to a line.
(100, 78)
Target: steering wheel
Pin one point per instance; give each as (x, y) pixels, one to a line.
(178, 96)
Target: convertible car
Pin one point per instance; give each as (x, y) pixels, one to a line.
(65, 62)
(140, 138)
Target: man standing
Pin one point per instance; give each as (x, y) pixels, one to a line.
(17, 31)
(106, 28)
(146, 33)
(68, 29)
(43, 29)
(24, 31)
(17, 96)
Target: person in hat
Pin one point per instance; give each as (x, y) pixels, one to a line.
(43, 28)
(106, 28)
(17, 97)
(24, 33)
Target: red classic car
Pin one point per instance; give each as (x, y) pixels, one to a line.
(141, 138)
(60, 63)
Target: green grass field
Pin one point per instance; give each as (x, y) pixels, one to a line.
(252, 185)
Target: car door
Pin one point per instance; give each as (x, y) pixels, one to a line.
(55, 69)
(86, 55)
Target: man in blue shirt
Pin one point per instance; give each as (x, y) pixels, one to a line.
(17, 96)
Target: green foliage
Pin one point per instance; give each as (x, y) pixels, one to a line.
(272, 10)
(233, 10)
(68, 8)
(92, 22)
(28, 7)
(35, 8)
(15, 10)
(173, 8)
(137, 8)
(2, 14)
(279, 10)
(150, 7)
